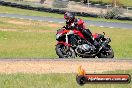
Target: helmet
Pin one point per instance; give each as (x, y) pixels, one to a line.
(69, 16)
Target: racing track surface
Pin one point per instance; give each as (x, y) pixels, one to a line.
(60, 20)
(42, 66)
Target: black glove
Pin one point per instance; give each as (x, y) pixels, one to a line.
(64, 27)
(67, 27)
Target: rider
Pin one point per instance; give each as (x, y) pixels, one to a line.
(77, 23)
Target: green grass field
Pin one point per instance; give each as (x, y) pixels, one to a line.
(10, 10)
(32, 39)
(21, 80)
(27, 40)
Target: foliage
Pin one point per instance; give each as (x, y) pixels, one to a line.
(60, 3)
(114, 13)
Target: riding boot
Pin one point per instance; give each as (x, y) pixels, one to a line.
(88, 35)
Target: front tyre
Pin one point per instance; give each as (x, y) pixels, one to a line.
(107, 53)
(63, 53)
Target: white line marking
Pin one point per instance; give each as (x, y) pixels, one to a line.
(51, 21)
(61, 22)
(2, 16)
(92, 25)
(31, 19)
(111, 27)
(21, 18)
(40, 20)
(101, 26)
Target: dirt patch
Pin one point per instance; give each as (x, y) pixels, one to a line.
(48, 3)
(39, 31)
(5, 29)
(54, 25)
(18, 22)
(17, 30)
(61, 66)
(82, 8)
(21, 22)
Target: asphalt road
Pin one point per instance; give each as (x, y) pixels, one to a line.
(60, 20)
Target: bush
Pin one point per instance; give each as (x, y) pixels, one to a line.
(113, 13)
(101, 14)
(60, 3)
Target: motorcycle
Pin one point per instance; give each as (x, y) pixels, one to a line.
(72, 43)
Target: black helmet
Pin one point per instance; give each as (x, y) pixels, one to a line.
(69, 16)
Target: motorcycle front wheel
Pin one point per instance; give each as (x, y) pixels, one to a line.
(62, 52)
(107, 53)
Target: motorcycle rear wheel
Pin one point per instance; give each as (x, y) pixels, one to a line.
(62, 53)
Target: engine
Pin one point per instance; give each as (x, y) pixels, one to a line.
(83, 48)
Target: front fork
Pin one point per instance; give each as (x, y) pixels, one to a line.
(67, 47)
(69, 33)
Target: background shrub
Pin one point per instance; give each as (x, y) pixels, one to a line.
(113, 13)
(60, 3)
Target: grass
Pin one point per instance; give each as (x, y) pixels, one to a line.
(27, 45)
(20, 80)
(32, 43)
(32, 39)
(123, 2)
(121, 40)
(11, 10)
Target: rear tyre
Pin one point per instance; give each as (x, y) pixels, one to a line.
(108, 53)
(63, 53)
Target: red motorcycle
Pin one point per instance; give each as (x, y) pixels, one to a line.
(72, 43)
